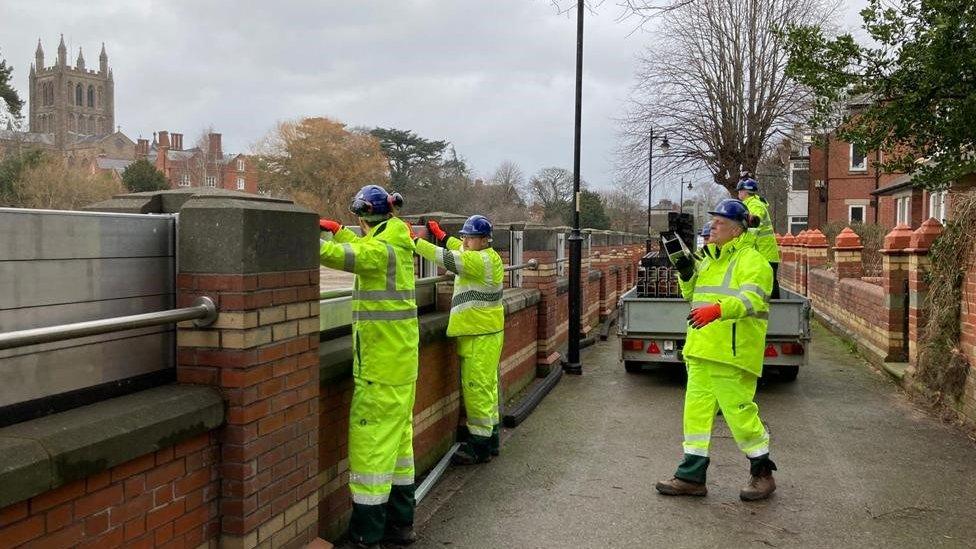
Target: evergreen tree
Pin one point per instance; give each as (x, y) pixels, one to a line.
(9, 95)
(141, 176)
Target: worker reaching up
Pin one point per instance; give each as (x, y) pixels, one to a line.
(385, 340)
(478, 322)
(761, 224)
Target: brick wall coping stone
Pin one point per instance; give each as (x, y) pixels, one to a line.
(335, 355)
(595, 275)
(788, 239)
(562, 286)
(816, 239)
(925, 235)
(44, 453)
(848, 240)
(898, 239)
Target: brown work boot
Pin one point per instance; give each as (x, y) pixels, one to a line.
(760, 486)
(678, 487)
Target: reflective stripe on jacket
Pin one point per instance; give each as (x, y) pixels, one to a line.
(739, 279)
(765, 237)
(476, 306)
(385, 333)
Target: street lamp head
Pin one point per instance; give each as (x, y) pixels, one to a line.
(689, 186)
(665, 145)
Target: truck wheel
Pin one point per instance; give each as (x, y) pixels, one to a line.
(632, 367)
(789, 373)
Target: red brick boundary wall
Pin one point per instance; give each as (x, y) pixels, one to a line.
(883, 316)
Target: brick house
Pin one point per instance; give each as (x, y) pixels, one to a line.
(205, 165)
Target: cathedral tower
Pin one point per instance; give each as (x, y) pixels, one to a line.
(71, 102)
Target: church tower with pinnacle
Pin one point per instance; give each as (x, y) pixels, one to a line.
(71, 102)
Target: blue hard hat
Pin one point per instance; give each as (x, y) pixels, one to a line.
(748, 184)
(374, 201)
(733, 209)
(706, 230)
(476, 225)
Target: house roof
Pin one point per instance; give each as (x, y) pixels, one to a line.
(27, 137)
(115, 164)
(901, 183)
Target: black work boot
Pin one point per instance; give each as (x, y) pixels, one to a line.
(400, 535)
(761, 483)
(471, 454)
(494, 441)
(678, 487)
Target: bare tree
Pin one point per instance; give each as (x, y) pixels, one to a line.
(552, 190)
(626, 212)
(773, 176)
(714, 82)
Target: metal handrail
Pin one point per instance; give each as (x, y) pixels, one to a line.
(203, 312)
(532, 265)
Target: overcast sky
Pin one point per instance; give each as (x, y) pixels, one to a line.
(494, 77)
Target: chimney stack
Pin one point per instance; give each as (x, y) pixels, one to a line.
(162, 155)
(214, 146)
(142, 148)
(177, 141)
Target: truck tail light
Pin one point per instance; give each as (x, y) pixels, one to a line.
(792, 348)
(771, 352)
(633, 345)
(653, 349)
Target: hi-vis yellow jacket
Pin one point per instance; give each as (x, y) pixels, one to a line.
(740, 279)
(765, 237)
(385, 332)
(476, 306)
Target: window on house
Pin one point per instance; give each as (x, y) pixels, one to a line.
(855, 214)
(938, 206)
(798, 223)
(185, 180)
(240, 164)
(800, 175)
(240, 183)
(903, 210)
(859, 158)
(211, 181)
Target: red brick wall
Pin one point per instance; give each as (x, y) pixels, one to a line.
(164, 499)
(437, 412)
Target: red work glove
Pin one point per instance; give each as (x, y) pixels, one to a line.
(702, 316)
(329, 225)
(436, 230)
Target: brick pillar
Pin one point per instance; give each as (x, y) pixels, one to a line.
(787, 275)
(801, 262)
(918, 286)
(816, 253)
(257, 259)
(540, 243)
(896, 265)
(847, 255)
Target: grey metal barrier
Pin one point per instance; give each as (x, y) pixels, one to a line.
(62, 267)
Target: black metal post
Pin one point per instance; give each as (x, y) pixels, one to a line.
(572, 364)
(650, 157)
(681, 197)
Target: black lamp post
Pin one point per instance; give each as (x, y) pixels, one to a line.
(572, 364)
(681, 199)
(650, 188)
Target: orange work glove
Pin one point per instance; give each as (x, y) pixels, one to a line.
(436, 230)
(702, 316)
(329, 225)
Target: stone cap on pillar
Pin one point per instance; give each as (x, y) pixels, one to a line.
(816, 239)
(788, 240)
(848, 240)
(898, 240)
(925, 235)
(171, 201)
(538, 238)
(244, 235)
(600, 238)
